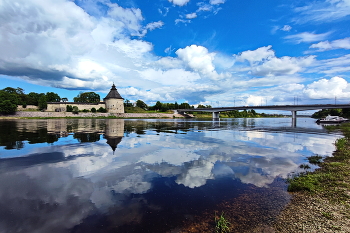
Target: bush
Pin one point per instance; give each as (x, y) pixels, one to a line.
(93, 110)
(75, 110)
(69, 108)
(85, 110)
(102, 110)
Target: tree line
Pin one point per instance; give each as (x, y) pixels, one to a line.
(11, 97)
(343, 112)
(161, 107)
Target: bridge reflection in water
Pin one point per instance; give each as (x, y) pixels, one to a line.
(293, 108)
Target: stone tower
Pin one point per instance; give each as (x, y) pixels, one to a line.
(114, 102)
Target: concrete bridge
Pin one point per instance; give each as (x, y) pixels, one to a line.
(293, 108)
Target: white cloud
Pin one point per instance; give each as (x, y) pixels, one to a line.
(335, 44)
(182, 21)
(169, 63)
(282, 66)
(324, 88)
(332, 66)
(171, 77)
(255, 100)
(321, 11)
(191, 16)
(154, 25)
(212, 7)
(257, 55)
(129, 17)
(286, 28)
(164, 12)
(263, 62)
(215, 2)
(169, 50)
(307, 37)
(179, 2)
(198, 59)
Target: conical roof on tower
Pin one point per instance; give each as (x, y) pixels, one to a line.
(113, 93)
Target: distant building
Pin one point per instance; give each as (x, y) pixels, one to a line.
(113, 103)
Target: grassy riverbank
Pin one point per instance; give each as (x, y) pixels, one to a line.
(321, 199)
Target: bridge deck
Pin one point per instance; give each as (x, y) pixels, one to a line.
(269, 107)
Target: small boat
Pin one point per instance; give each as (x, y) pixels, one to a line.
(332, 120)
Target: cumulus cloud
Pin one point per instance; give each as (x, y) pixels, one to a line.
(255, 100)
(264, 62)
(52, 40)
(330, 45)
(306, 37)
(198, 59)
(257, 55)
(324, 88)
(179, 2)
(282, 66)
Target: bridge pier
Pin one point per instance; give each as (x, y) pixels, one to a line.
(294, 118)
(216, 115)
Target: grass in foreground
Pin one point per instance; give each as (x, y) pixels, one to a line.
(332, 179)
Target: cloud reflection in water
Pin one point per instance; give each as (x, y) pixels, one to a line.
(43, 195)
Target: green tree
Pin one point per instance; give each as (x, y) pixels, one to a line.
(42, 102)
(33, 98)
(19, 92)
(87, 97)
(10, 90)
(184, 106)
(8, 102)
(141, 104)
(127, 103)
(158, 105)
(52, 97)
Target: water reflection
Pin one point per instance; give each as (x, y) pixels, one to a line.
(89, 175)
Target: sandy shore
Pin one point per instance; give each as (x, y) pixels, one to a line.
(313, 213)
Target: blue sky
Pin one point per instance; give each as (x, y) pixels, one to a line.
(217, 52)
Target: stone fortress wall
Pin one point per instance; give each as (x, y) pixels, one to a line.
(62, 106)
(29, 114)
(113, 103)
(28, 108)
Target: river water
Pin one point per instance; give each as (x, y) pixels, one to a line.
(156, 175)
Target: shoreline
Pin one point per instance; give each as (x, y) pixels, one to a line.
(321, 199)
(44, 115)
